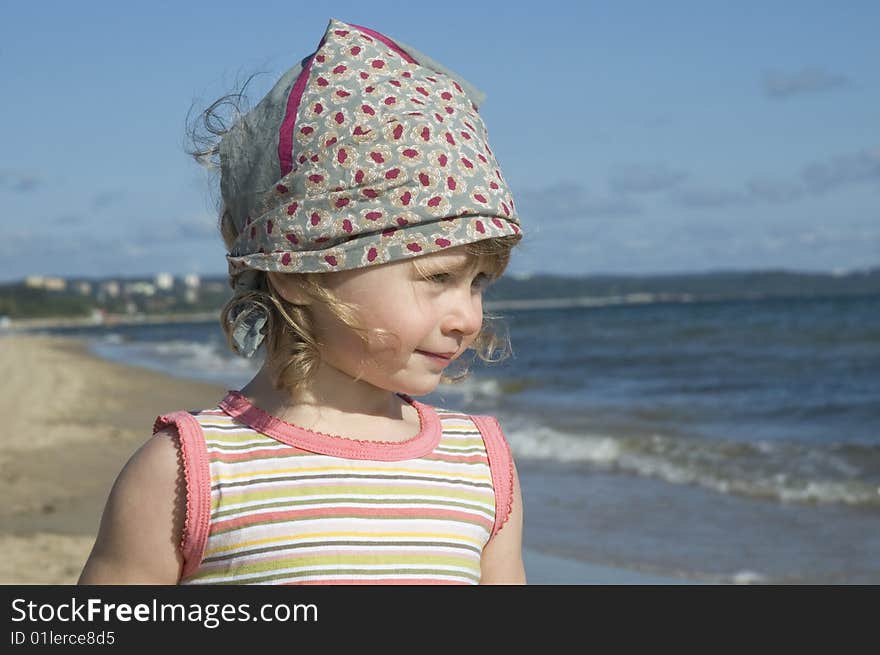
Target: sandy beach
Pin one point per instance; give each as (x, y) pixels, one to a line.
(73, 420)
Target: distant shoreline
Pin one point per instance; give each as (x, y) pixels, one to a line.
(111, 320)
(27, 324)
(83, 303)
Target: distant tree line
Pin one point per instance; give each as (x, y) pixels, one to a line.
(20, 301)
(723, 285)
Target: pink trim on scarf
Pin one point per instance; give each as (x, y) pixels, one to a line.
(501, 467)
(196, 471)
(285, 132)
(384, 39)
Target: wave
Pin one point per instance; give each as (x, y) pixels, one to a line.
(787, 472)
(209, 361)
(485, 390)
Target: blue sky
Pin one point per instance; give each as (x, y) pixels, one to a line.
(637, 137)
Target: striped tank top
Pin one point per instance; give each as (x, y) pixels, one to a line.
(268, 502)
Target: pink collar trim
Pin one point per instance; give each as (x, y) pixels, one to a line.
(240, 408)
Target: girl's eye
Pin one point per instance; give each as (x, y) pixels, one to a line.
(481, 281)
(440, 278)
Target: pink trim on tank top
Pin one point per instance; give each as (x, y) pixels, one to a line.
(500, 465)
(240, 408)
(197, 473)
(377, 581)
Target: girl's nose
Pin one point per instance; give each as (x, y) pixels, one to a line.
(465, 314)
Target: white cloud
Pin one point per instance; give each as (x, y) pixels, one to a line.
(709, 197)
(809, 80)
(774, 191)
(569, 200)
(19, 181)
(107, 199)
(645, 178)
(862, 166)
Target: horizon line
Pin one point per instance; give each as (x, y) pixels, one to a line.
(519, 276)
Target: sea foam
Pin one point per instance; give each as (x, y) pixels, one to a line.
(791, 473)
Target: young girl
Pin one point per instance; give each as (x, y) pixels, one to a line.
(364, 214)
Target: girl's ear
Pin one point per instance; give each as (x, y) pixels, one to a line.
(289, 287)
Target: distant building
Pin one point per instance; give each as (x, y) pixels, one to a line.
(82, 287)
(192, 281)
(140, 289)
(110, 288)
(164, 281)
(48, 283)
(215, 287)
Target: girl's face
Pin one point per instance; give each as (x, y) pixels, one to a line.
(428, 313)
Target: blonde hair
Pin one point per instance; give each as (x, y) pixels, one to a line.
(292, 348)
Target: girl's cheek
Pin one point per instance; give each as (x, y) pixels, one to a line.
(383, 342)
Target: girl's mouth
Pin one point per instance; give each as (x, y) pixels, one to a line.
(444, 358)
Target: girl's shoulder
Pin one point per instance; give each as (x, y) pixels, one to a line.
(143, 519)
(488, 425)
(498, 454)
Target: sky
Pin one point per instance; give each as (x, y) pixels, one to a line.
(636, 137)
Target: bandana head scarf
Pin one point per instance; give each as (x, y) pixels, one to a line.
(365, 152)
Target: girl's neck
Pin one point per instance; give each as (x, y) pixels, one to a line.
(333, 403)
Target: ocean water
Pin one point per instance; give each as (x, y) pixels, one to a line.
(732, 442)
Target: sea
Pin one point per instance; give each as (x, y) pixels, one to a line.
(719, 442)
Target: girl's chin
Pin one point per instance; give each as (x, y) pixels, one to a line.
(417, 390)
(412, 388)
